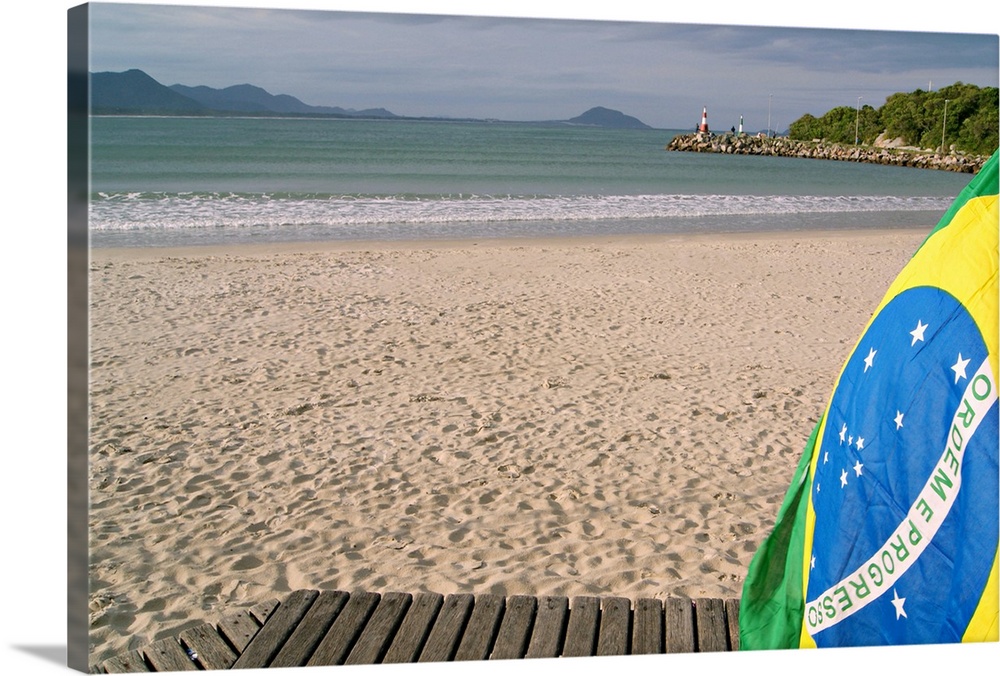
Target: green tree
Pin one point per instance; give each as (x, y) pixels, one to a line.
(964, 115)
(869, 124)
(838, 125)
(902, 116)
(805, 128)
(979, 131)
(936, 116)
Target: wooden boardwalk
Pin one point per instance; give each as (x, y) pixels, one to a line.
(310, 628)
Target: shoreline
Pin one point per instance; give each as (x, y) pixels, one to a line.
(604, 415)
(549, 241)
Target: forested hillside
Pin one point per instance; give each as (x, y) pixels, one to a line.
(962, 115)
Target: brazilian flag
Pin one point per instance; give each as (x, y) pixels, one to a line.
(888, 533)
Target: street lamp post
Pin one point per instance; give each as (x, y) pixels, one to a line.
(943, 121)
(857, 120)
(769, 115)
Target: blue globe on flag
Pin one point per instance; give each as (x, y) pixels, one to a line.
(903, 493)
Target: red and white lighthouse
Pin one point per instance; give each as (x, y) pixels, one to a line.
(703, 127)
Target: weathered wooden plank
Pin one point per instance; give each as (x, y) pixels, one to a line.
(238, 629)
(212, 652)
(168, 655)
(550, 627)
(477, 640)
(128, 662)
(374, 641)
(262, 611)
(311, 629)
(581, 630)
(337, 644)
(364, 628)
(279, 626)
(414, 630)
(616, 619)
(733, 623)
(447, 631)
(515, 628)
(678, 626)
(647, 631)
(710, 624)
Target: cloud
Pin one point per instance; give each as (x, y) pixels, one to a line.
(531, 68)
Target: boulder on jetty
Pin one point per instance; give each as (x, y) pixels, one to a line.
(744, 144)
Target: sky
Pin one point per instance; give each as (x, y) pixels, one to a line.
(425, 62)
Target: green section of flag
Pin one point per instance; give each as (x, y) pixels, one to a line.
(772, 604)
(984, 183)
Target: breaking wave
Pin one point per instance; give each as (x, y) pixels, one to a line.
(145, 211)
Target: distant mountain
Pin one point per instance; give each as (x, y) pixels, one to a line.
(133, 92)
(605, 117)
(246, 98)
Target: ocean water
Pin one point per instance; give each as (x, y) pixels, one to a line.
(178, 181)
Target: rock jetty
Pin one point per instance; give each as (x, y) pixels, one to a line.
(734, 144)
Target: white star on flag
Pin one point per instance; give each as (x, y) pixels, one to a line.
(959, 367)
(918, 333)
(861, 443)
(898, 603)
(857, 468)
(843, 478)
(870, 359)
(843, 432)
(899, 419)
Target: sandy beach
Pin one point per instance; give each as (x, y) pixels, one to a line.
(577, 416)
